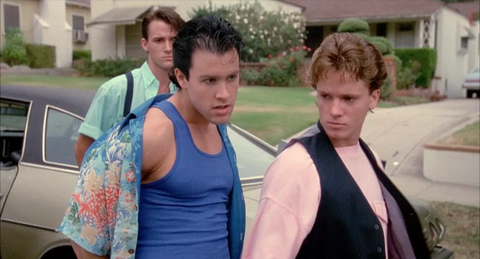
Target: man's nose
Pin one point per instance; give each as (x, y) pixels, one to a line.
(222, 92)
(169, 46)
(336, 108)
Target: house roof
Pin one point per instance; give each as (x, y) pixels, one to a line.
(466, 8)
(82, 3)
(125, 16)
(324, 11)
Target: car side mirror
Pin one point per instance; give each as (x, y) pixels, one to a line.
(281, 145)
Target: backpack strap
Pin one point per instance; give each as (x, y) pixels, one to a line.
(128, 98)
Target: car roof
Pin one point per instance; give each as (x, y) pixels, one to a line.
(74, 100)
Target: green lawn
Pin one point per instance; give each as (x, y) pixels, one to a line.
(462, 229)
(468, 136)
(91, 83)
(274, 113)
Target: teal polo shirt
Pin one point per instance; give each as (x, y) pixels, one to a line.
(107, 105)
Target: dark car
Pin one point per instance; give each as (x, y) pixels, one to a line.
(38, 131)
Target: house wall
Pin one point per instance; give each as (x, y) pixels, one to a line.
(103, 37)
(452, 60)
(59, 33)
(27, 9)
(81, 11)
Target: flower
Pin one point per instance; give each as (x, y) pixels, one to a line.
(304, 47)
(297, 47)
(309, 49)
(270, 56)
(291, 58)
(290, 49)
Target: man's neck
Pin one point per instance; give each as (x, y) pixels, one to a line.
(191, 116)
(162, 76)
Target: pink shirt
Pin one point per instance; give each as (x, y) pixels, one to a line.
(291, 196)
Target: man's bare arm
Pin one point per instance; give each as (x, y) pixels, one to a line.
(83, 143)
(84, 254)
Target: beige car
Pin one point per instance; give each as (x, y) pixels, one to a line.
(38, 132)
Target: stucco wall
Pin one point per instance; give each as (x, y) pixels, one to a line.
(81, 11)
(27, 9)
(104, 41)
(452, 61)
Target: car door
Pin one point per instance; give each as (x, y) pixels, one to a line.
(38, 198)
(12, 131)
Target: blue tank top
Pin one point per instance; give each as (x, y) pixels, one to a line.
(184, 214)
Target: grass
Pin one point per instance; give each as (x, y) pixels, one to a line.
(462, 229)
(274, 113)
(468, 136)
(89, 83)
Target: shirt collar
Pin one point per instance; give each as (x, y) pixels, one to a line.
(147, 76)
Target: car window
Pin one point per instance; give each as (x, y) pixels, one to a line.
(61, 134)
(252, 161)
(12, 129)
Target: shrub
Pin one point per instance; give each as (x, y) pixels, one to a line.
(263, 32)
(14, 52)
(354, 25)
(408, 75)
(41, 56)
(280, 70)
(82, 54)
(383, 44)
(109, 67)
(427, 58)
(387, 90)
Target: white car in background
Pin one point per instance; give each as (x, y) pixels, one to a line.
(471, 83)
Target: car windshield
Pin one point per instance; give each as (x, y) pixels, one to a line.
(252, 160)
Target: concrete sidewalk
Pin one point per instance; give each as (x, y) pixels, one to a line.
(398, 136)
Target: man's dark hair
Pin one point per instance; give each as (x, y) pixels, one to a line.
(165, 14)
(211, 33)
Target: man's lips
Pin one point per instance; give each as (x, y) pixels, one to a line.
(334, 124)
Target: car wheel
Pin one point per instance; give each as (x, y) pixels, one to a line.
(469, 93)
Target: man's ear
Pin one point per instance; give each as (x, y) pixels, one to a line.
(181, 78)
(375, 96)
(144, 43)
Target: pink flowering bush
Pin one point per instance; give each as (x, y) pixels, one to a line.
(263, 32)
(281, 70)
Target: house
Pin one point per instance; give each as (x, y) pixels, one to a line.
(59, 23)
(115, 27)
(449, 28)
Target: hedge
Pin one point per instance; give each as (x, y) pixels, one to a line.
(427, 58)
(354, 25)
(41, 56)
(82, 54)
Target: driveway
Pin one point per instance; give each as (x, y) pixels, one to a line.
(398, 136)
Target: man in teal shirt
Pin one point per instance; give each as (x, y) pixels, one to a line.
(158, 30)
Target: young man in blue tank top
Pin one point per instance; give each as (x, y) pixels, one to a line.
(186, 174)
(164, 182)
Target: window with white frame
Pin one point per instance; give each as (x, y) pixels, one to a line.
(11, 16)
(78, 22)
(405, 35)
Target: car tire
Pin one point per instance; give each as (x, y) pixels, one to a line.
(469, 93)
